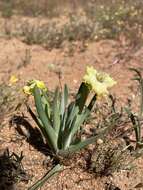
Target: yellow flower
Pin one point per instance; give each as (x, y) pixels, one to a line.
(40, 84)
(31, 84)
(99, 82)
(13, 79)
(27, 90)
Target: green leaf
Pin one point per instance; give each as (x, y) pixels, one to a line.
(140, 80)
(137, 128)
(37, 121)
(92, 102)
(47, 111)
(56, 112)
(83, 144)
(63, 122)
(62, 131)
(81, 96)
(64, 100)
(72, 112)
(45, 103)
(75, 126)
(68, 121)
(50, 174)
(50, 133)
(68, 135)
(34, 117)
(79, 121)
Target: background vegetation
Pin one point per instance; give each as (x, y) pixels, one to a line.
(79, 21)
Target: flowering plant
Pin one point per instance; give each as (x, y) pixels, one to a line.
(28, 89)
(61, 121)
(99, 82)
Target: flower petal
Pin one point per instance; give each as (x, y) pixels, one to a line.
(99, 82)
(27, 90)
(13, 79)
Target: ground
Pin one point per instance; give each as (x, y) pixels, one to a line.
(55, 67)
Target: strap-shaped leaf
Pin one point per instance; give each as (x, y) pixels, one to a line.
(92, 102)
(46, 103)
(68, 136)
(63, 122)
(46, 108)
(64, 100)
(82, 144)
(45, 95)
(78, 120)
(136, 126)
(51, 173)
(139, 78)
(37, 121)
(62, 131)
(51, 135)
(72, 112)
(34, 117)
(56, 112)
(82, 95)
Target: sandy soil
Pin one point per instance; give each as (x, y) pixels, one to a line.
(109, 56)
